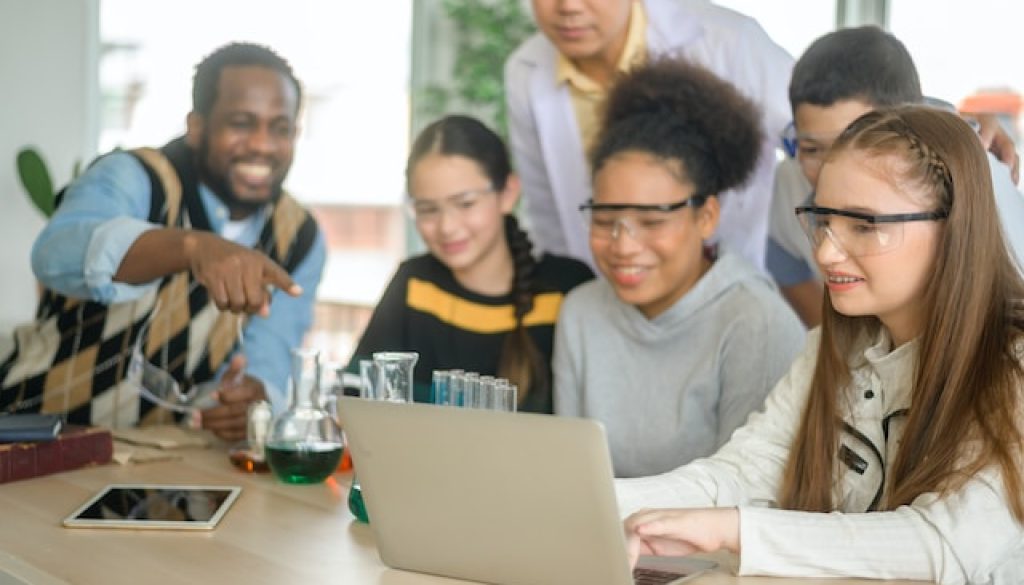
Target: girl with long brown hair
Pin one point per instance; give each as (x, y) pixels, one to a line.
(892, 449)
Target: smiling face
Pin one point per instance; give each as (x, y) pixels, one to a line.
(246, 143)
(889, 285)
(458, 213)
(585, 30)
(652, 272)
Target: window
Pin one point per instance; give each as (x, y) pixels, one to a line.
(962, 50)
(793, 24)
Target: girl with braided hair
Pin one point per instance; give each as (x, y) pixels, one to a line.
(679, 342)
(479, 300)
(893, 447)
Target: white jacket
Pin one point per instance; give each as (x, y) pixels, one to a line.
(549, 153)
(969, 536)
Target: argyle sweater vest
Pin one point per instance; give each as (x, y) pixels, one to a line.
(74, 358)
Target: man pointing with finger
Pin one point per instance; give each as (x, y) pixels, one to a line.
(194, 246)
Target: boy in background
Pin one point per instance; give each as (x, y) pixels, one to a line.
(841, 76)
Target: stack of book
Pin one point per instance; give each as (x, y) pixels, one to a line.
(74, 447)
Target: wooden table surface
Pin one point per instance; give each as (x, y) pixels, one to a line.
(274, 533)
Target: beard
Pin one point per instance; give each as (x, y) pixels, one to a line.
(221, 187)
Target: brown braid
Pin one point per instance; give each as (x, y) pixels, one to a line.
(521, 361)
(937, 170)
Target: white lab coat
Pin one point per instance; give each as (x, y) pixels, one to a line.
(549, 153)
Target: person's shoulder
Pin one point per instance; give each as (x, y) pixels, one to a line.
(790, 190)
(790, 182)
(117, 170)
(116, 161)
(720, 29)
(562, 272)
(295, 210)
(578, 304)
(719, 19)
(753, 292)
(533, 53)
(423, 266)
(593, 292)
(536, 48)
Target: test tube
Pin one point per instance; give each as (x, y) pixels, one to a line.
(439, 386)
(512, 398)
(456, 388)
(471, 390)
(504, 396)
(485, 398)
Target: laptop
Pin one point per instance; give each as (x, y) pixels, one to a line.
(495, 497)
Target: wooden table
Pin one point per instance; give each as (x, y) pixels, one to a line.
(274, 533)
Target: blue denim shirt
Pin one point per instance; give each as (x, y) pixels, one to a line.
(102, 214)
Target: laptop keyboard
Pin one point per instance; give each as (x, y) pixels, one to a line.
(653, 576)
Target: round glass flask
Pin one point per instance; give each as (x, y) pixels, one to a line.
(304, 443)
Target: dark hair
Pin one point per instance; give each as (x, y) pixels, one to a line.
(864, 63)
(204, 84)
(521, 362)
(681, 112)
(463, 136)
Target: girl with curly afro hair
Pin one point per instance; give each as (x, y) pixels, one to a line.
(681, 339)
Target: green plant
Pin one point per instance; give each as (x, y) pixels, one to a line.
(487, 31)
(35, 177)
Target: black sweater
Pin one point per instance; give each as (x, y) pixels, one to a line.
(425, 310)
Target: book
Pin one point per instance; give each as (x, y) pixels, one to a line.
(16, 428)
(74, 447)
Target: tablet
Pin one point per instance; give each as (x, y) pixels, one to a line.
(175, 507)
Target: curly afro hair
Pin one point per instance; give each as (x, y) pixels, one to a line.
(681, 112)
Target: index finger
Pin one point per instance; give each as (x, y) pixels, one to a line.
(274, 275)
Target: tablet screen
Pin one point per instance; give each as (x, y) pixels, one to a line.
(155, 506)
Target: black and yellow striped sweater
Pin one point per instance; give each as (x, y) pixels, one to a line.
(424, 309)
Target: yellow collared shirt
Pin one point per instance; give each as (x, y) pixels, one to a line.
(586, 94)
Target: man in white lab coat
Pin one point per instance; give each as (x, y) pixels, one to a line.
(556, 81)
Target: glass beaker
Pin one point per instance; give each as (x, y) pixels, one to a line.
(252, 456)
(387, 377)
(304, 443)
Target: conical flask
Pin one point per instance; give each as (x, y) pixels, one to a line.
(388, 377)
(304, 443)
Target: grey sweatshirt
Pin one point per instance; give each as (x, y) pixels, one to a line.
(672, 389)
